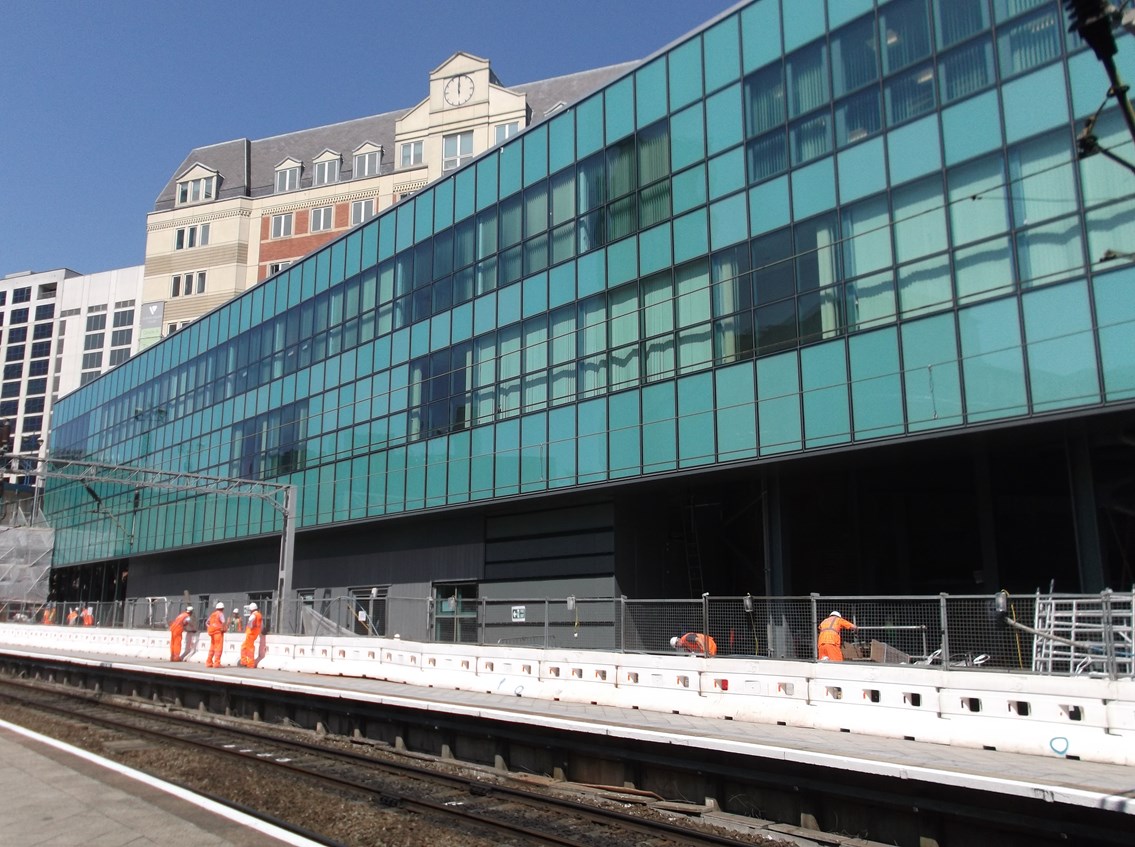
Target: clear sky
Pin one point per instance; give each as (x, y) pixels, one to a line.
(101, 100)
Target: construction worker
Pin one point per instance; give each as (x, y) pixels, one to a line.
(829, 644)
(216, 629)
(176, 630)
(251, 636)
(48, 616)
(72, 616)
(695, 642)
(88, 616)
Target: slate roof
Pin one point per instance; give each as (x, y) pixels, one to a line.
(248, 167)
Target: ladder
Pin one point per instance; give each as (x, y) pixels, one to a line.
(1071, 634)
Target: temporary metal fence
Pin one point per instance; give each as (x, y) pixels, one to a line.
(1041, 633)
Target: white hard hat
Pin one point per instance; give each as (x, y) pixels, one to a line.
(219, 606)
(189, 609)
(835, 615)
(252, 607)
(674, 641)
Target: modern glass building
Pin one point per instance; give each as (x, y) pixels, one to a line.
(815, 299)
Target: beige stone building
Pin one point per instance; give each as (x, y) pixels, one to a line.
(238, 212)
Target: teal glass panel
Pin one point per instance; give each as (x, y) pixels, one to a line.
(354, 255)
(1061, 347)
(1098, 173)
(481, 463)
(861, 170)
(768, 206)
(405, 218)
(978, 200)
(689, 189)
(650, 92)
(654, 249)
(561, 285)
(443, 205)
(958, 124)
(507, 458)
(464, 193)
(592, 444)
(1116, 310)
(561, 141)
(423, 215)
(760, 34)
(509, 169)
(588, 126)
(487, 173)
(823, 377)
(626, 446)
(436, 455)
(416, 475)
(983, 270)
(1035, 103)
(485, 313)
(1108, 226)
(535, 295)
(386, 225)
(727, 221)
(813, 188)
(440, 331)
(338, 258)
(622, 261)
(727, 173)
(561, 447)
(866, 237)
(876, 391)
(395, 480)
(687, 137)
(992, 363)
(778, 403)
(322, 283)
(618, 104)
(914, 149)
(400, 346)
(690, 237)
(842, 11)
(723, 120)
(508, 305)
(1050, 252)
(685, 74)
(457, 478)
(535, 154)
(920, 219)
(736, 412)
(659, 432)
(592, 274)
(722, 54)
(695, 420)
(804, 22)
(533, 450)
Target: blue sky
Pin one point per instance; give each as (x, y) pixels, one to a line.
(101, 100)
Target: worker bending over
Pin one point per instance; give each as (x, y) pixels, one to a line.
(695, 642)
(829, 645)
(176, 629)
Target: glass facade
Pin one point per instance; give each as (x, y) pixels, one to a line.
(787, 233)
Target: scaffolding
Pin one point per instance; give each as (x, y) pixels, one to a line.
(26, 543)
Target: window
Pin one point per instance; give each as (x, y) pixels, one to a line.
(195, 190)
(366, 164)
(456, 150)
(124, 318)
(275, 267)
(96, 322)
(19, 316)
(361, 210)
(94, 341)
(42, 331)
(14, 371)
(92, 360)
(326, 172)
(117, 357)
(183, 285)
(282, 225)
(121, 337)
(287, 179)
(411, 154)
(191, 236)
(508, 130)
(22, 295)
(45, 312)
(321, 218)
(40, 349)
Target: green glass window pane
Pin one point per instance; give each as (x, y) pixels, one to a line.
(481, 463)
(687, 137)
(395, 480)
(1108, 226)
(696, 443)
(436, 472)
(592, 441)
(561, 141)
(1061, 349)
(768, 206)
(806, 74)
(535, 294)
(416, 475)
(1117, 331)
(855, 56)
(876, 391)
(983, 270)
(1097, 173)
(1041, 179)
(650, 91)
(622, 261)
(803, 21)
(727, 173)
(966, 70)
(866, 237)
(509, 169)
(813, 188)
(653, 152)
(765, 101)
(722, 53)
(760, 33)
(457, 479)
(626, 441)
(487, 181)
(1046, 105)
(920, 219)
(1050, 252)
(535, 154)
(561, 285)
(914, 150)
(991, 360)
(507, 458)
(443, 204)
(685, 73)
(823, 377)
(736, 412)
(351, 267)
(978, 207)
(589, 126)
(405, 223)
(857, 117)
(904, 30)
(689, 189)
(618, 104)
(870, 301)
(533, 452)
(561, 447)
(423, 215)
(924, 287)
(778, 403)
(727, 221)
(654, 249)
(465, 194)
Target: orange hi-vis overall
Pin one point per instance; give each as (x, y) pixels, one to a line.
(697, 642)
(251, 634)
(829, 643)
(216, 629)
(176, 629)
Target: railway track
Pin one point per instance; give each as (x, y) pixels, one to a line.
(336, 792)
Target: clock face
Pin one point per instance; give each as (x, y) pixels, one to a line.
(458, 90)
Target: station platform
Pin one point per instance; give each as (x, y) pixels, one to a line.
(68, 796)
(1059, 780)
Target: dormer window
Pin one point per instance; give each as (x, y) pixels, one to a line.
(368, 159)
(288, 175)
(326, 168)
(195, 190)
